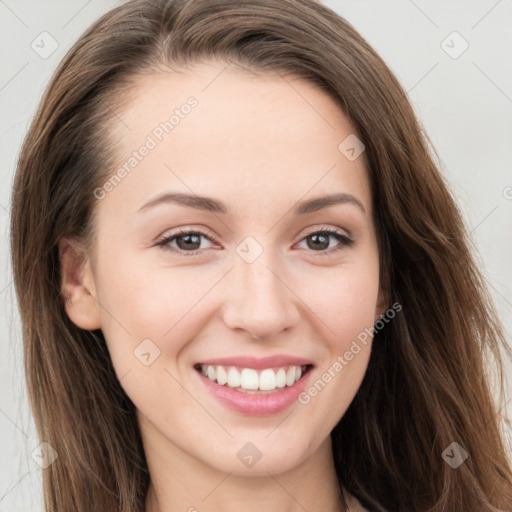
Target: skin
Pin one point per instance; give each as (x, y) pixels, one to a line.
(260, 143)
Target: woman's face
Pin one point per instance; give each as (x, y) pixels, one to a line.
(256, 279)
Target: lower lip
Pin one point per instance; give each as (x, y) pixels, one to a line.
(256, 404)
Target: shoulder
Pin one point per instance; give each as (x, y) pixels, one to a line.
(353, 503)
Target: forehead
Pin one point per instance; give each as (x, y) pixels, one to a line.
(222, 131)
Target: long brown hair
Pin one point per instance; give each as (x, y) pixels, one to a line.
(427, 383)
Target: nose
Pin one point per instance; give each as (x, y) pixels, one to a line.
(258, 299)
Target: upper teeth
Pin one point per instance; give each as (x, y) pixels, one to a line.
(249, 378)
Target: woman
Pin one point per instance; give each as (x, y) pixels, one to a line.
(259, 369)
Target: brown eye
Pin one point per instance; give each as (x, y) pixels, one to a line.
(319, 241)
(186, 242)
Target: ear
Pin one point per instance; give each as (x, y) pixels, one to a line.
(77, 286)
(382, 303)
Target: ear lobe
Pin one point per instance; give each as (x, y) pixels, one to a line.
(77, 286)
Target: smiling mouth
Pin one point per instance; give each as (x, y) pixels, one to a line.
(251, 380)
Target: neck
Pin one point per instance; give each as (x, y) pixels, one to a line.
(181, 482)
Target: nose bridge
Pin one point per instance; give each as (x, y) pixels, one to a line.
(257, 299)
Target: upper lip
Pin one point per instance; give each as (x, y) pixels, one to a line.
(257, 363)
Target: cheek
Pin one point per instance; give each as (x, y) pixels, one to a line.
(167, 304)
(146, 320)
(173, 307)
(344, 299)
(161, 304)
(345, 303)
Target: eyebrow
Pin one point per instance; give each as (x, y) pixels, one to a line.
(215, 206)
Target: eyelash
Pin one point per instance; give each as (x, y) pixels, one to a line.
(341, 237)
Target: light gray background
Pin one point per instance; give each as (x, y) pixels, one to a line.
(464, 103)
